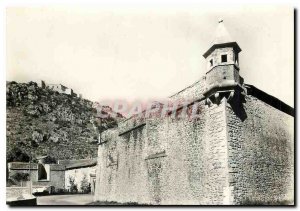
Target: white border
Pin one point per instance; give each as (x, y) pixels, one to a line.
(107, 3)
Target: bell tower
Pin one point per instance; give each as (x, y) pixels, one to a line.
(222, 74)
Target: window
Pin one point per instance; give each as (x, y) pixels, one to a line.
(223, 58)
(211, 62)
(42, 172)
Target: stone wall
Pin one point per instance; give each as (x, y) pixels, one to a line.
(216, 57)
(234, 153)
(16, 192)
(222, 71)
(261, 140)
(167, 161)
(19, 196)
(191, 93)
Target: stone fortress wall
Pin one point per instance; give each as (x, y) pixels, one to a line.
(216, 159)
(239, 150)
(261, 153)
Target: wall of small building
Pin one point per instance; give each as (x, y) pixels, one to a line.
(78, 174)
(55, 87)
(57, 180)
(56, 177)
(68, 91)
(167, 161)
(261, 149)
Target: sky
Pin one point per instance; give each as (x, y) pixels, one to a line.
(146, 53)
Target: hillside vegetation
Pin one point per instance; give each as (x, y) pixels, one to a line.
(44, 122)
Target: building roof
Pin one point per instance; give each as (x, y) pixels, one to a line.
(222, 38)
(22, 166)
(269, 99)
(221, 34)
(82, 163)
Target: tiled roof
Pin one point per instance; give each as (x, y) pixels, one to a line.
(73, 164)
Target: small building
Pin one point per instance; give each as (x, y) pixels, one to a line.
(61, 89)
(56, 177)
(78, 171)
(41, 175)
(58, 88)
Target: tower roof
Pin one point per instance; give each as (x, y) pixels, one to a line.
(221, 34)
(222, 38)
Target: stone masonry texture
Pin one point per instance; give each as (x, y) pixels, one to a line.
(261, 149)
(230, 154)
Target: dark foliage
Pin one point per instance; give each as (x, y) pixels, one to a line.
(20, 176)
(85, 185)
(73, 187)
(16, 154)
(49, 160)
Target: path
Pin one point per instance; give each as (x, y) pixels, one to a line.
(74, 199)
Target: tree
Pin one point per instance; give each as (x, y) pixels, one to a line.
(20, 176)
(104, 124)
(100, 125)
(16, 154)
(73, 186)
(85, 185)
(49, 160)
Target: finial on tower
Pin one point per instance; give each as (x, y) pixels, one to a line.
(221, 39)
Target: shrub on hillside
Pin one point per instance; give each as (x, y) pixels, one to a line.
(17, 155)
(49, 160)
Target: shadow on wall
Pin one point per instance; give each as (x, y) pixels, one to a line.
(238, 108)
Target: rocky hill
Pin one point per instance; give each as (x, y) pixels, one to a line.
(44, 122)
